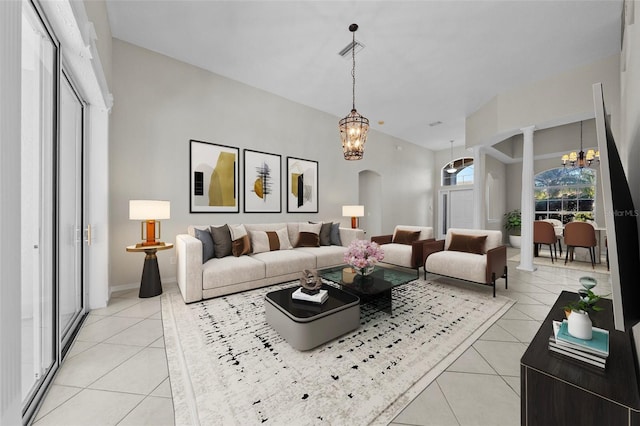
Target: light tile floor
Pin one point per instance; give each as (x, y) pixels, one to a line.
(116, 372)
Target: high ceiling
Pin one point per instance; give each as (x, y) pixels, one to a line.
(423, 61)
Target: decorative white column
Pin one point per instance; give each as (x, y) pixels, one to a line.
(479, 198)
(526, 204)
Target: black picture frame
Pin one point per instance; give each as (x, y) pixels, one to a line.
(262, 182)
(210, 161)
(302, 185)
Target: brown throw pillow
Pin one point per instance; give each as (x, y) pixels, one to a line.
(308, 239)
(406, 237)
(467, 243)
(241, 246)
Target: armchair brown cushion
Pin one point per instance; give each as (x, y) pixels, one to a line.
(467, 243)
(406, 237)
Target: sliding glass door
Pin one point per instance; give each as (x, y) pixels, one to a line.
(38, 123)
(70, 209)
(51, 208)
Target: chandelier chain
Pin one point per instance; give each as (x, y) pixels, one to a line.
(353, 69)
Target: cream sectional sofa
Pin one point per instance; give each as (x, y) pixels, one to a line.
(481, 261)
(230, 274)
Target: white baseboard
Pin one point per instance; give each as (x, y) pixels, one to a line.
(122, 287)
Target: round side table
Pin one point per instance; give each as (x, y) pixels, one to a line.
(150, 284)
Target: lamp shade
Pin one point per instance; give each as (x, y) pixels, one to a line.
(353, 211)
(149, 209)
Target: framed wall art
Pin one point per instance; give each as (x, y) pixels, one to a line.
(262, 182)
(302, 185)
(214, 179)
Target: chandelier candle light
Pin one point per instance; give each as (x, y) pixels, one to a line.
(580, 159)
(354, 127)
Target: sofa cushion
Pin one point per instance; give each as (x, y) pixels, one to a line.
(207, 243)
(231, 270)
(240, 240)
(326, 256)
(284, 262)
(467, 243)
(262, 241)
(405, 237)
(221, 241)
(458, 264)
(335, 235)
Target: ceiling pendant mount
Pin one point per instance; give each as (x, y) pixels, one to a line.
(353, 127)
(451, 169)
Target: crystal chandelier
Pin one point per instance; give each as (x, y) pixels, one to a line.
(353, 127)
(580, 159)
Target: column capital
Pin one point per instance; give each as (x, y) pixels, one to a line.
(528, 129)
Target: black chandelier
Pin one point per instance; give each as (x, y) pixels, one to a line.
(353, 127)
(581, 159)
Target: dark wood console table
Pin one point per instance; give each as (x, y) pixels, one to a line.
(561, 391)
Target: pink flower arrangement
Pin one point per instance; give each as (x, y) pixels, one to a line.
(362, 254)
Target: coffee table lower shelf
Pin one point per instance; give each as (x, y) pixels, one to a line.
(307, 325)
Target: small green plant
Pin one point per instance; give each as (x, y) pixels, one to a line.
(513, 221)
(583, 217)
(586, 302)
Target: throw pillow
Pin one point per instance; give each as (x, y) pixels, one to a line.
(325, 233)
(467, 243)
(221, 240)
(308, 239)
(309, 235)
(406, 237)
(263, 241)
(335, 235)
(240, 241)
(207, 243)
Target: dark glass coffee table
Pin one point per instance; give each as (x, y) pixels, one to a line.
(374, 289)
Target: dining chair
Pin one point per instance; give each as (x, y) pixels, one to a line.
(544, 233)
(558, 228)
(580, 234)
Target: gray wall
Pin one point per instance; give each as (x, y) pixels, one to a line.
(160, 104)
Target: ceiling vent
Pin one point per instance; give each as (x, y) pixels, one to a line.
(346, 51)
(435, 123)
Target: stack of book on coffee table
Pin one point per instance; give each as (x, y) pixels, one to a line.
(594, 351)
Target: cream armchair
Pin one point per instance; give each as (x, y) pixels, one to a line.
(474, 255)
(405, 247)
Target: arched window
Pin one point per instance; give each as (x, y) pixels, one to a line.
(563, 193)
(463, 174)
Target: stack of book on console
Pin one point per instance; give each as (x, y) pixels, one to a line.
(594, 351)
(319, 297)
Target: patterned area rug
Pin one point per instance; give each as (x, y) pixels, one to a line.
(228, 366)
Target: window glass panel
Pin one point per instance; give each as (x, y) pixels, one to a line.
(36, 209)
(569, 191)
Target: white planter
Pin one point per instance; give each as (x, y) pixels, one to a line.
(514, 240)
(579, 325)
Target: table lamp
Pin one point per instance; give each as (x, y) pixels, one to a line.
(355, 212)
(149, 212)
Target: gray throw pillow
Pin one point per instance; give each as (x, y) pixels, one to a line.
(221, 241)
(335, 235)
(325, 233)
(207, 243)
